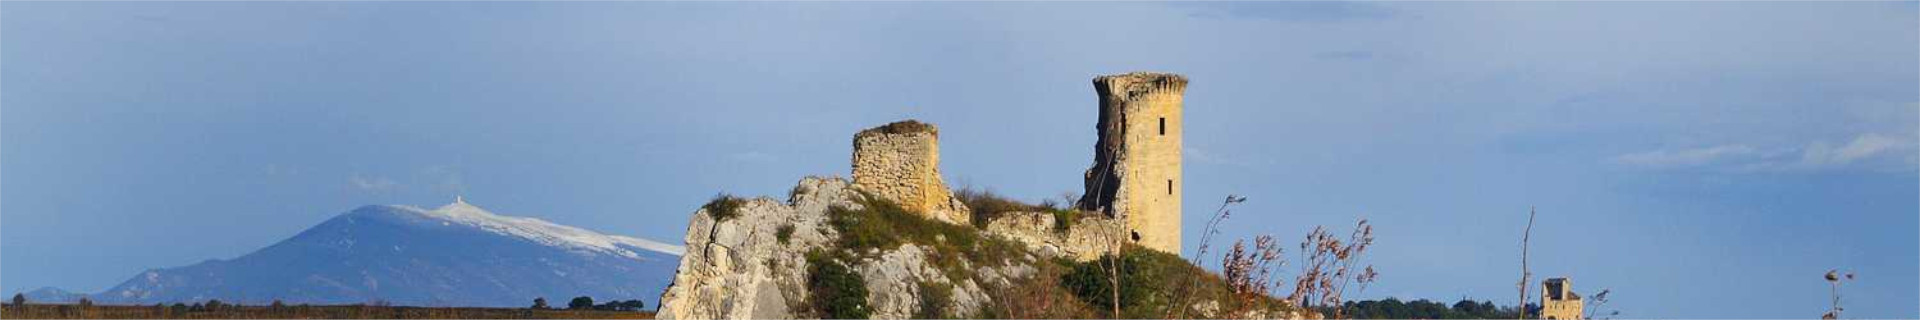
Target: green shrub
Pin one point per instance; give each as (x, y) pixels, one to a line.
(1063, 219)
(1147, 281)
(934, 300)
(783, 233)
(724, 206)
(1153, 282)
(837, 292)
(884, 225)
(1036, 296)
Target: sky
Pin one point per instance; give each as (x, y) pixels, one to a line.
(1697, 159)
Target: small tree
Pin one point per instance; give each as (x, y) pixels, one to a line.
(580, 303)
(540, 304)
(19, 299)
(215, 305)
(85, 303)
(634, 305)
(835, 290)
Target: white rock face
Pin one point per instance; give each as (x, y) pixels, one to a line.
(739, 269)
(894, 290)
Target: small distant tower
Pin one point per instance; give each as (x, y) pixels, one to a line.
(1558, 302)
(1136, 167)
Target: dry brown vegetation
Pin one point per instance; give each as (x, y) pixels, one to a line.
(898, 127)
(987, 205)
(71, 311)
(1328, 264)
(1037, 298)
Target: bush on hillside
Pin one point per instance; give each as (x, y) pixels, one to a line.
(1152, 283)
(934, 300)
(883, 225)
(836, 291)
(724, 206)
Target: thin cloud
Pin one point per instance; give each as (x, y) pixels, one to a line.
(1315, 11)
(1345, 55)
(1862, 147)
(444, 179)
(1206, 156)
(752, 156)
(1684, 158)
(1863, 150)
(276, 169)
(373, 184)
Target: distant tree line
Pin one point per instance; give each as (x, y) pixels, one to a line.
(586, 303)
(1392, 308)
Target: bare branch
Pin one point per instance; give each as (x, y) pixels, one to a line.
(1525, 274)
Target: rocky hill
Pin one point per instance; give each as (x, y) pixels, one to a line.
(895, 242)
(832, 250)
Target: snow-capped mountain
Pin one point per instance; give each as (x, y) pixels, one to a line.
(454, 255)
(51, 295)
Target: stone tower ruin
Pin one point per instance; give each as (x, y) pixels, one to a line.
(900, 161)
(1136, 168)
(1558, 302)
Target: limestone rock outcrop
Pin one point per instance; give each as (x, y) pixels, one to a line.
(740, 267)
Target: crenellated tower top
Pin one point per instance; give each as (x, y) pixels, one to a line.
(1136, 86)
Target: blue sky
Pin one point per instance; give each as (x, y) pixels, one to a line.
(1702, 160)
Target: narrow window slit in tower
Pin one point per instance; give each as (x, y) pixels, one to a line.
(1169, 186)
(1163, 126)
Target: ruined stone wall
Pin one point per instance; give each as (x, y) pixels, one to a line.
(900, 161)
(1559, 302)
(1136, 175)
(1084, 239)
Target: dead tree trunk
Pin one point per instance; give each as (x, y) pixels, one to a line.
(1525, 274)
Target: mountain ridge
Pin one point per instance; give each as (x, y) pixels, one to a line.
(453, 255)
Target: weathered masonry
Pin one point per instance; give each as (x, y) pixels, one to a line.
(1558, 302)
(900, 161)
(1136, 170)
